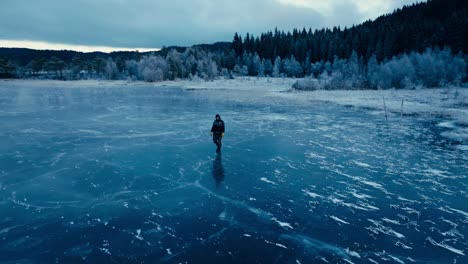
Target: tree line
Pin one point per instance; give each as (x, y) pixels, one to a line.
(436, 23)
(432, 68)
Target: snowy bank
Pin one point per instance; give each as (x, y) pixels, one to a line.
(450, 102)
(240, 83)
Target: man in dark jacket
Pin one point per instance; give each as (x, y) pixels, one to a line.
(217, 131)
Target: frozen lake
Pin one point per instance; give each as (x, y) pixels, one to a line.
(128, 173)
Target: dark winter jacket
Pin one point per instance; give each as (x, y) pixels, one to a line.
(218, 127)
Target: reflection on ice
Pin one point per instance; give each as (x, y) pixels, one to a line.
(218, 170)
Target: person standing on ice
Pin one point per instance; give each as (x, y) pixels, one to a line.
(217, 131)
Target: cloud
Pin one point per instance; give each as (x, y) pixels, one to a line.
(154, 23)
(348, 12)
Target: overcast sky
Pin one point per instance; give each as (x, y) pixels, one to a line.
(152, 24)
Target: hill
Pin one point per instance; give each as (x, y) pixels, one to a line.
(431, 24)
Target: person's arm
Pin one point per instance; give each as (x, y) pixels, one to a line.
(222, 130)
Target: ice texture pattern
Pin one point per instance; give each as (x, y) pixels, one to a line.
(127, 172)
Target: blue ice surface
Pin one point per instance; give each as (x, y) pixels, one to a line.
(128, 173)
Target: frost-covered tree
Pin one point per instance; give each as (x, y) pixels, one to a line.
(237, 70)
(292, 67)
(75, 69)
(353, 68)
(225, 73)
(190, 63)
(111, 71)
(268, 66)
(327, 67)
(176, 66)
(247, 60)
(398, 73)
(316, 68)
(435, 67)
(207, 69)
(277, 67)
(258, 66)
(131, 67)
(244, 71)
(353, 73)
(372, 74)
(202, 68)
(152, 68)
(428, 69)
(212, 69)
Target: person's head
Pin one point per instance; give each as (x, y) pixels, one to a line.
(217, 117)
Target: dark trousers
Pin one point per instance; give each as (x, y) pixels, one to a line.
(217, 139)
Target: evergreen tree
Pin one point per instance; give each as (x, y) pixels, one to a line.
(431, 24)
(7, 69)
(237, 45)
